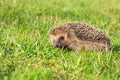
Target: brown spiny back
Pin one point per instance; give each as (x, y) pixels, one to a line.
(86, 32)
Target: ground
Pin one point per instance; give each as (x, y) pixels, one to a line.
(25, 51)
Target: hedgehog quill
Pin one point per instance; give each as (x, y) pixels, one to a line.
(79, 35)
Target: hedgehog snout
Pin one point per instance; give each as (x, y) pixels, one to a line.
(58, 45)
(60, 42)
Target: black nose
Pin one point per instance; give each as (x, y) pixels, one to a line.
(57, 46)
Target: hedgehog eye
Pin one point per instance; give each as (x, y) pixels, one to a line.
(61, 38)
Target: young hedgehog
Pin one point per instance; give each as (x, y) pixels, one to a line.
(79, 35)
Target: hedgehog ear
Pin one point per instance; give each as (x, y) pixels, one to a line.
(67, 31)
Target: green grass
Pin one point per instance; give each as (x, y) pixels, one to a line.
(26, 54)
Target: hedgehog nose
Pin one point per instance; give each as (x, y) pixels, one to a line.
(57, 45)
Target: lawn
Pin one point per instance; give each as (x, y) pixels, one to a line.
(25, 51)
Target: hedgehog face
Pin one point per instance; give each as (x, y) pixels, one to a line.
(59, 43)
(59, 38)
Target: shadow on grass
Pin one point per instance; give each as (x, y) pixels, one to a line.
(116, 48)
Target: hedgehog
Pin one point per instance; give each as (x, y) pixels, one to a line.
(78, 36)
